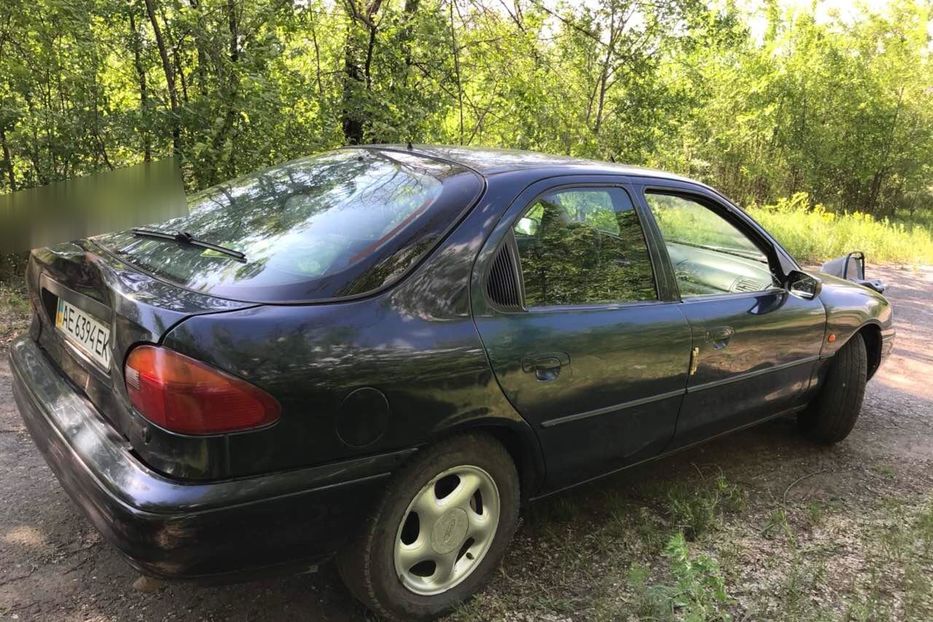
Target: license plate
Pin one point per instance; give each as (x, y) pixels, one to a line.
(84, 331)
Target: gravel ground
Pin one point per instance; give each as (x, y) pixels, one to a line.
(54, 566)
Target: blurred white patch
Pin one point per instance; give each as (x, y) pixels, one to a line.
(78, 208)
(24, 536)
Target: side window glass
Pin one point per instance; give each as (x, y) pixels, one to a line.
(710, 255)
(583, 246)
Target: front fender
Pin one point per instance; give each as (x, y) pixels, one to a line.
(849, 309)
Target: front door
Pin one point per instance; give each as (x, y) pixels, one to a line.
(755, 345)
(588, 352)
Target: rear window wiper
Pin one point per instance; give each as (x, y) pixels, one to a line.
(183, 237)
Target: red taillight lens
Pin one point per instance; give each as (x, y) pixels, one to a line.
(187, 396)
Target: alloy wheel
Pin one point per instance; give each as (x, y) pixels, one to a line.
(447, 530)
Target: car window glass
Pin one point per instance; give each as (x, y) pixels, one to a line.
(583, 246)
(338, 224)
(710, 255)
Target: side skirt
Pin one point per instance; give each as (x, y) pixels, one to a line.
(782, 413)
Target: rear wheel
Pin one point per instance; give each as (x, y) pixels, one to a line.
(441, 528)
(832, 415)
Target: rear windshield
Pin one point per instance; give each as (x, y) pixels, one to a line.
(335, 225)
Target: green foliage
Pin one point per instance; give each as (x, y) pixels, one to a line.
(698, 593)
(583, 246)
(815, 233)
(839, 108)
(696, 509)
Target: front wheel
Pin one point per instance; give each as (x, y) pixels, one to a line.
(832, 415)
(441, 528)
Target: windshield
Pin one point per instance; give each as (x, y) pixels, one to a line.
(339, 224)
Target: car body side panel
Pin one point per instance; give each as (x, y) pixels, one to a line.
(849, 307)
(754, 352)
(431, 373)
(414, 351)
(761, 367)
(617, 397)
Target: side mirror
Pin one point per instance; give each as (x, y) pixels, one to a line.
(851, 266)
(803, 285)
(526, 226)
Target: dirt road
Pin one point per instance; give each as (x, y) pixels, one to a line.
(568, 562)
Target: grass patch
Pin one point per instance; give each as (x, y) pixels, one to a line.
(14, 313)
(696, 509)
(815, 234)
(612, 553)
(698, 591)
(900, 553)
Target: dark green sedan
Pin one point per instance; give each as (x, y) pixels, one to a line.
(380, 353)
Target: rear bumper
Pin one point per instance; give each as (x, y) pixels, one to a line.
(180, 530)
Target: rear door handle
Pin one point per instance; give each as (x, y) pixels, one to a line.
(546, 366)
(719, 336)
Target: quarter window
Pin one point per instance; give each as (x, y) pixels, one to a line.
(710, 255)
(583, 246)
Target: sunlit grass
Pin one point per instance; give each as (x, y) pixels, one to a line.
(815, 234)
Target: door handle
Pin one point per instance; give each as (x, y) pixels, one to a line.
(719, 336)
(546, 366)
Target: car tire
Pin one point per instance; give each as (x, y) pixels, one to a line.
(832, 415)
(380, 566)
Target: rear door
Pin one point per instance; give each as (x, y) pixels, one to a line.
(583, 341)
(755, 345)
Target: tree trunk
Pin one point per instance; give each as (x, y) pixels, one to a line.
(357, 76)
(317, 60)
(143, 89)
(180, 73)
(352, 121)
(229, 92)
(234, 31)
(169, 76)
(456, 54)
(877, 181)
(203, 57)
(604, 74)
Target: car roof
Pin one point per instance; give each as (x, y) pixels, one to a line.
(489, 161)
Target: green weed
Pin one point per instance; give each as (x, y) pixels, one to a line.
(698, 592)
(816, 234)
(815, 514)
(801, 581)
(777, 524)
(695, 510)
(886, 471)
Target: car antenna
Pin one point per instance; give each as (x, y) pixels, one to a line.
(408, 144)
(612, 158)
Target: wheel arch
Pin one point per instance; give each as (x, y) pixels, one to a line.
(519, 441)
(871, 335)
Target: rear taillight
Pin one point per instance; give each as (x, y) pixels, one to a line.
(183, 395)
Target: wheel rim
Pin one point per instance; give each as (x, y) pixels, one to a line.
(447, 530)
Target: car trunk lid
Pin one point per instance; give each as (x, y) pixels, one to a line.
(97, 291)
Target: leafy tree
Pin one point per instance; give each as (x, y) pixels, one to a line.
(838, 108)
